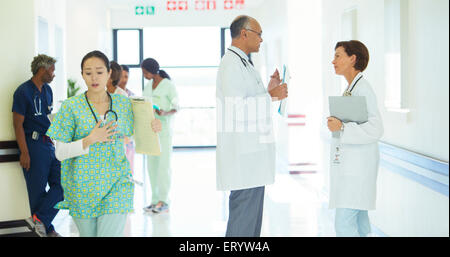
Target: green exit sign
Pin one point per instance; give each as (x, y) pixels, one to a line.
(144, 10)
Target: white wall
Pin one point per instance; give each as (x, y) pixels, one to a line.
(88, 29)
(17, 51)
(16, 65)
(425, 129)
(54, 13)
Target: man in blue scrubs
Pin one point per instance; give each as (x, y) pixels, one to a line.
(33, 101)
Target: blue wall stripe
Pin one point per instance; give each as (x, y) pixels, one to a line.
(416, 159)
(430, 183)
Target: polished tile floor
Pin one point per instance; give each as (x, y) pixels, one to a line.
(294, 206)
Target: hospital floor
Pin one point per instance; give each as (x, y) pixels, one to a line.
(294, 206)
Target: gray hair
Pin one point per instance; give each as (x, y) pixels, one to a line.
(240, 23)
(41, 61)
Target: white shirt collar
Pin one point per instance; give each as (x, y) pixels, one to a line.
(357, 77)
(240, 52)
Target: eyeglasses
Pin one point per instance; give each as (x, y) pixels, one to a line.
(257, 33)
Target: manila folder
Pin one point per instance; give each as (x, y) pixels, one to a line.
(147, 141)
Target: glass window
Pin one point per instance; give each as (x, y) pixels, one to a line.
(128, 47)
(190, 55)
(196, 86)
(135, 81)
(227, 38)
(394, 35)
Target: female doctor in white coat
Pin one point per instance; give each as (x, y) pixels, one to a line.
(354, 154)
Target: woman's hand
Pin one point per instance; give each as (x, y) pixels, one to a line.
(164, 113)
(100, 134)
(334, 124)
(156, 125)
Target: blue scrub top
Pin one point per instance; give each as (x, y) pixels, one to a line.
(29, 102)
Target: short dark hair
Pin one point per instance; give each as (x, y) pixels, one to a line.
(355, 47)
(116, 73)
(238, 24)
(125, 68)
(96, 54)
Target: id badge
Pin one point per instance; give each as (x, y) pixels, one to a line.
(35, 135)
(337, 156)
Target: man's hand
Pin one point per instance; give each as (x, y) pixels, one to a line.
(274, 81)
(25, 161)
(279, 93)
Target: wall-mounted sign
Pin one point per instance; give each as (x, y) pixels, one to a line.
(177, 5)
(144, 10)
(236, 4)
(202, 5)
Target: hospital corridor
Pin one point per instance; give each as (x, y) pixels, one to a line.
(224, 119)
(293, 208)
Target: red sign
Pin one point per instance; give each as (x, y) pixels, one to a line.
(177, 5)
(201, 5)
(171, 5)
(182, 5)
(239, 4)
(228, 4)
(211, 5)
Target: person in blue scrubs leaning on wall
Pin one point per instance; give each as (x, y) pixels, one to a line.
(33, 102)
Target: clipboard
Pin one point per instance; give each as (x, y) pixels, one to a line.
(283, 103)
(349, 108)
(147, 141)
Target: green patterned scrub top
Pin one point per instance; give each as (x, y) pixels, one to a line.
(97, 183)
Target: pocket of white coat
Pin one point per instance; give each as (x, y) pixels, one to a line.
(249, 143)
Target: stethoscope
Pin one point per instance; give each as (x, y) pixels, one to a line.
(106, 113)
(349, 93)
(36, 111)
(243, 60)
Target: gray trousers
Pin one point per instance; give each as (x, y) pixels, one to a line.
(245, 212)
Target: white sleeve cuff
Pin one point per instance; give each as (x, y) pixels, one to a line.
(65, 151)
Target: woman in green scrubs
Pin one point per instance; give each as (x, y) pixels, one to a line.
(95, 174)
(163, 94)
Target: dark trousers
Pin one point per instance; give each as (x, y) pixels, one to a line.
(44, 169)
(245, 212)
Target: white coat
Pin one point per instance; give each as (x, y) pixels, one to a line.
(353, 180)
(245, 155)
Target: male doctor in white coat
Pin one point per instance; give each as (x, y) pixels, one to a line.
(245, 143)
